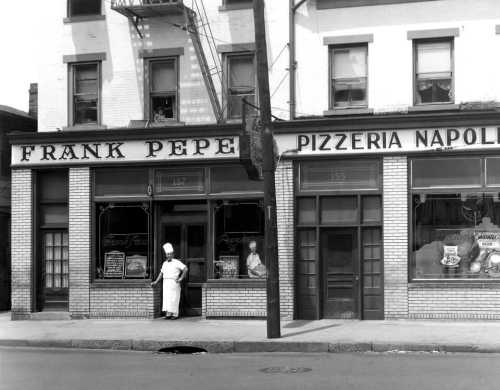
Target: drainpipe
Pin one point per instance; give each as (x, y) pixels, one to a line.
(293, 64)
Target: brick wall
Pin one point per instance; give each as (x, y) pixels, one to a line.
(222, 301)
(286, 227)
(79, 241)
(21, 241)
(395, 237)
(124, 302)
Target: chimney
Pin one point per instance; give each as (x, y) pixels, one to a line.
(33, 104)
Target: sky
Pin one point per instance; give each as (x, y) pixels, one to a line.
(18, 45)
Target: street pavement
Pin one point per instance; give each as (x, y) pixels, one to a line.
(30, 369)
(250, 335)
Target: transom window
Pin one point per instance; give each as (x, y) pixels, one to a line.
(433, 71)
(163, 90)
(85, 87)
(349, 76)
(84, 7)
(240, 81)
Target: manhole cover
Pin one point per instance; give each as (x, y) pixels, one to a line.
(182, 350)
(285, 370)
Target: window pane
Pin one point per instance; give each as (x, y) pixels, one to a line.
(456, 236)
(434, 57)
(85, 7)
(180, 181)
(241, 72)
(307, 210)
(339, 210)
(372, 209)
(123, 234)
(347, 92)
(349, 62)
(493, 171)
(163, 108)
(85, 109)
(235, 104)
(163, 76)
(445, 172)
(53, 214)
(85, 78)
(121, 181)
(434, 91)
(339, 175)
(232, 179)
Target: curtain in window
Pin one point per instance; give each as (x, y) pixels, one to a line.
(434, 57)
(349, 63)
(164, 77)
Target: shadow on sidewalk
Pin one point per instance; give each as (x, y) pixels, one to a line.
(310, 330)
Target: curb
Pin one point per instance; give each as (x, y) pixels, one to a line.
(249, 346)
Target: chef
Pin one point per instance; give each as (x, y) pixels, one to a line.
(173, 273)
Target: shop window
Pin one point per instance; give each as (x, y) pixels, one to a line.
(173, 181)
(349, 76)
(232, 179)
(84, 7)
(339, 175)
(240, 81)
(84, 93)
(123, 238)
(444, 173)
(121, 181)
(433, 72)
(339, 210)
(456, 234)
(238, 226)
(372, 209)
(163, 90)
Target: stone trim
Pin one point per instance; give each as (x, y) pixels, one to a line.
(433, 33)
(165, 52)
(83, 18)
(347, 39)
(235, 47)
(70, 58)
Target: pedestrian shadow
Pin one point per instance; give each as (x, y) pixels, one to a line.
(306, 331)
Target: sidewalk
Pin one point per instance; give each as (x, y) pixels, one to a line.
(222, 336)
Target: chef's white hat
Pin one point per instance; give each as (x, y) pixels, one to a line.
(168, 248)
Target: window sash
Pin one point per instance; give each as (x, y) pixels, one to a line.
(169, 89)
(77, 7)
(85, 93)
(235, 88)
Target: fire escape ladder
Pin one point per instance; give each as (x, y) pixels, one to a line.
(194, 34)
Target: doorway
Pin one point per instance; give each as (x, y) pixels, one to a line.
(184, 225)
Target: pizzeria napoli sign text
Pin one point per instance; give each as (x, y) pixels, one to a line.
(125, 151)
(391, 141)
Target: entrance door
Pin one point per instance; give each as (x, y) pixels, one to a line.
(188, 235)
(339, 256)
(54, 293)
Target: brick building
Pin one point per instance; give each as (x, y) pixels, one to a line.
(387, 179)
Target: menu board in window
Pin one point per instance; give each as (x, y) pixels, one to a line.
(114, 263)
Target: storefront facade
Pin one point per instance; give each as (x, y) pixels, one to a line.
(378, 218)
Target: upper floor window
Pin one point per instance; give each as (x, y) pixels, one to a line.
(85, 93)
(163, 90)
(433, 71)
(240, 81)
(84, 7)
(349, 76)
(237, 3)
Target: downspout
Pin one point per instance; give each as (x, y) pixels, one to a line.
(292, 63)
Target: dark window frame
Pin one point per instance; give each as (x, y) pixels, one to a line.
(226, 80)
(83, 15)
(71, 94)
(331, 54)
(483, 188)
(236, 4)
(149, 94)
(415, 78)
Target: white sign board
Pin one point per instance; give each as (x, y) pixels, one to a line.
(390, 141)
(125, 151)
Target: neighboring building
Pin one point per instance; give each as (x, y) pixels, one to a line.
(387, 182)
(10, 119)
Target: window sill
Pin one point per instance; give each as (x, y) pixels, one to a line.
(121, 283)
(329, 4)
(84, 127)
(83, 18)
(348, 111)
(173, 122)
(434, 107)
(235, 283)
(233, 7)
(458, 284)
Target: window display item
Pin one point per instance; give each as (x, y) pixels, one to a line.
(230, 267)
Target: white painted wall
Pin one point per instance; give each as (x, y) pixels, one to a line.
(477, 50)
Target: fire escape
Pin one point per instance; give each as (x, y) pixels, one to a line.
(195, 19)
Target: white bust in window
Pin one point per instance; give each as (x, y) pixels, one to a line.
(254, 266)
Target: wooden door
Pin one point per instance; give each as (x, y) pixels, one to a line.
(189, 241)
(339, 256)
(54, 267)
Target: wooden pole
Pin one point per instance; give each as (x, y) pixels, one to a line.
(268, 166)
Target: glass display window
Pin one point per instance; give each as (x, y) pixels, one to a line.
(455, 234)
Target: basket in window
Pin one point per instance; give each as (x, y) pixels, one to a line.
(230, 266)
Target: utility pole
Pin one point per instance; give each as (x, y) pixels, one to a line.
(268, 166)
